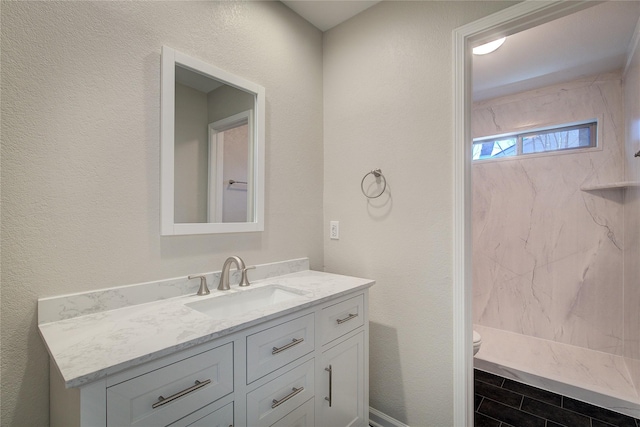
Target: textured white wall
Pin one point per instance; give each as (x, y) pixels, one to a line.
(80, 155)
(388, 104)
(632, 217)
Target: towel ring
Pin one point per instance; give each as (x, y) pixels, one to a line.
(377, 173)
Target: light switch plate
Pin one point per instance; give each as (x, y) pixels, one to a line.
(334, 230)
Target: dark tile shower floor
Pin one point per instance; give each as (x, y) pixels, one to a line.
(501, 402)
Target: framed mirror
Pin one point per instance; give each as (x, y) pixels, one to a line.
(212, 149)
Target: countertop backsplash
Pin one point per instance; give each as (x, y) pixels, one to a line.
(53, 309)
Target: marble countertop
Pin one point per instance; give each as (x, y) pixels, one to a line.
(89, 347)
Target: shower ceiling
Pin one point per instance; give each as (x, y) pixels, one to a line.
(594, 40)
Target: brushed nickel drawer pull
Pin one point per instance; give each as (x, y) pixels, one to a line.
(329, 399)
(163, 401)
(277, 350)
(346, 319)
(294, 391)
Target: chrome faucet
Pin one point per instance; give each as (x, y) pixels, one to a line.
(224, 274)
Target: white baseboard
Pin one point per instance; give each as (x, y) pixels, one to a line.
(378, 419)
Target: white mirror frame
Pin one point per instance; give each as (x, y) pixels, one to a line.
(171, 57)
(503, 23)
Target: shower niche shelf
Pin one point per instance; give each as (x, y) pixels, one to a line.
(611, 186)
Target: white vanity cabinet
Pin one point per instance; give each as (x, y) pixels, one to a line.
(342, 387)
(307, 368)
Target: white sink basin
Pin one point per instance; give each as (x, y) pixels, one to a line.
(238, 303)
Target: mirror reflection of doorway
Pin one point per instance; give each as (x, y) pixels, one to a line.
(229, 191)
(234, 175)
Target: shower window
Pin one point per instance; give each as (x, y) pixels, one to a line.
(494, 148)
(560, 138)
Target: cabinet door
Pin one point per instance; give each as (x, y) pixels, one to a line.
(340, 393)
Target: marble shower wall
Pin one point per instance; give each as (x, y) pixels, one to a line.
(547, 256)
(632, 219)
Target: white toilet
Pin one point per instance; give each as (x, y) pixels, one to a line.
(477, 342)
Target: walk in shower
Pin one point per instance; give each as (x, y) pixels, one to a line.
(556, 247)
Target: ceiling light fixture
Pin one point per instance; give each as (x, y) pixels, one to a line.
(488, 47)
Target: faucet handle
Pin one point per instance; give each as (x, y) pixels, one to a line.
(244, 281)
(204, 290)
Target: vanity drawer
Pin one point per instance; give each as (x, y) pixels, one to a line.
(274, 400)
(302, 416)
(338, 319)
(222, 417)
(185, 386)
(273, 348)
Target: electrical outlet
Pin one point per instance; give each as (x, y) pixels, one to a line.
(334, 230)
